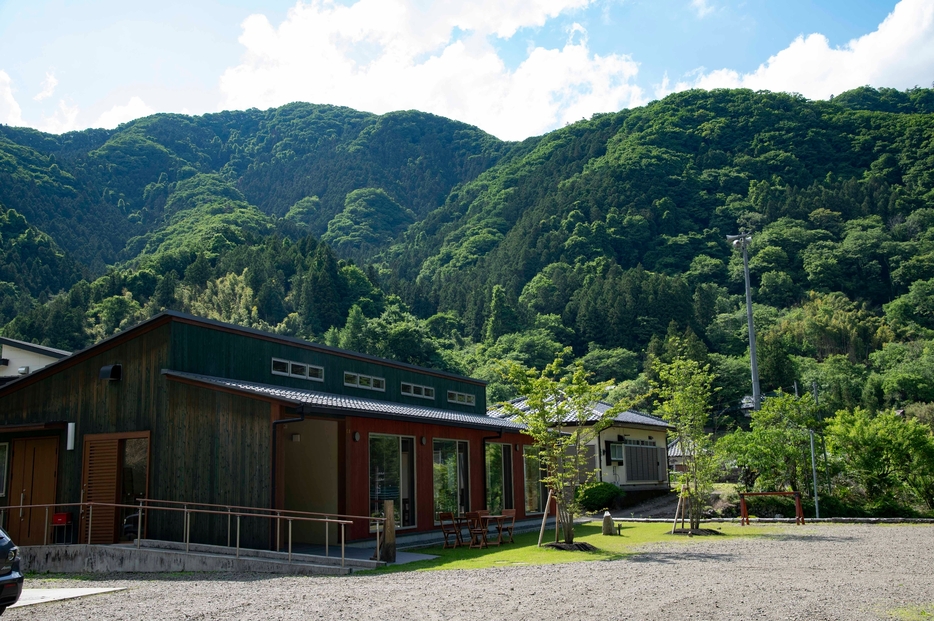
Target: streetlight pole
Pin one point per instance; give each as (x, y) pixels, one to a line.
(741, 241)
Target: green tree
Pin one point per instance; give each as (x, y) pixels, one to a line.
(884, 455)
(683, 390)
(774, 454)
(559, 416)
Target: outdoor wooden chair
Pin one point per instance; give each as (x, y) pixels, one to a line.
(477, 528)
(450, 527)
(509, 524)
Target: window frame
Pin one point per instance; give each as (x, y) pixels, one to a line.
(509, 490)
(369, 459)
(542, 496)
(469, 399)
(318, 377)
(412, 393)
(457, 442)
(4, 467)
(375, 383)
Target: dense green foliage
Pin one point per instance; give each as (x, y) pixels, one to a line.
(599, 495)
(447, 247)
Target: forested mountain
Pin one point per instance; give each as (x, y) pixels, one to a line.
(442, 245)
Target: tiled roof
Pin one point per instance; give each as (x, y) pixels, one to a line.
(674, 449)
(626, 417)
(354, 405)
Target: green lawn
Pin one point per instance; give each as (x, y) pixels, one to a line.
(525, 551)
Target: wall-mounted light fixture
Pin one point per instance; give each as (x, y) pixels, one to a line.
(4, 362)
(111, 373)
(517, 448)
(356, 436)
(424, 440)
(23, 370)
(296, 437)
(70, 438)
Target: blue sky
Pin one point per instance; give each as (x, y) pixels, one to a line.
(514, 69)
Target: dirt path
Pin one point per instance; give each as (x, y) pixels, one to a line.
(660, 507)
(825, 572)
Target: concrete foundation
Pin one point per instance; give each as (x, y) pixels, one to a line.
(117, 559)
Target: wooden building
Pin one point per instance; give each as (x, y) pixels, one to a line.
(185, 409)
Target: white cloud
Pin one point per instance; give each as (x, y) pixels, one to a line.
(10, 112)
(64, 120)
(48, 87)
(134, 109)
(898, 54)
(382, 55)
(701, 7)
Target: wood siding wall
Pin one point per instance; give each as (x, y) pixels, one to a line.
(211, 351)
(215, 448)
(75, 394)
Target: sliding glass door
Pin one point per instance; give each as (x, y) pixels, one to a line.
(451, 478)
(392, 477)
(499, 492)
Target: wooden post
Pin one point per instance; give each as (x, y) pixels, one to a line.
(541, 533)
(388, 548)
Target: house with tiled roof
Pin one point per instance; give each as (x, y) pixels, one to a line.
(630, 453)
(180, 409)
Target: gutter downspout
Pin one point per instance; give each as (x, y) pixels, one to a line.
(483, 440)
(301, 417)
(601, 457)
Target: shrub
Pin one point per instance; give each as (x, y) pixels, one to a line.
(595, 497)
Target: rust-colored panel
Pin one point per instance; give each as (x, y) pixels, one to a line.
(101, 463)
(33, 482)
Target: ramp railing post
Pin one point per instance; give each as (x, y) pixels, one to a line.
(139, 524)
(290, 540)
(187, 527)
(377, 541)
(228, 527)
(327, 531)
(45, 529)
(238, 535)
(342, 544)
(90, 523)
(278, 533)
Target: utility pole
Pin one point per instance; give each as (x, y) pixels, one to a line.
(741, 241)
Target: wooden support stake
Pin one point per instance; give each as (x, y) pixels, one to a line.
(541, 533)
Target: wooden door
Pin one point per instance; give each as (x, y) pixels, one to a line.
(34, 480)
(101, 469)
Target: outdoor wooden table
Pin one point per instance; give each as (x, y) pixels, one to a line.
(500, 524)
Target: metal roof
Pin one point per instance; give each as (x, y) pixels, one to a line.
(51, 352)
(630, 417)
(354, 405)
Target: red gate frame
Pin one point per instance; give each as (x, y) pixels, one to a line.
(744, 511)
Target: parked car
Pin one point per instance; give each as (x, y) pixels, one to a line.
(11, 578)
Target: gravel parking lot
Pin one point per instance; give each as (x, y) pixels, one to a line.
(811, 572)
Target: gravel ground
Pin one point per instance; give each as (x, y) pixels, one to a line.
(809, 572)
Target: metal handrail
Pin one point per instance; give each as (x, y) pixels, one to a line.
(187, 521)
(279, 513)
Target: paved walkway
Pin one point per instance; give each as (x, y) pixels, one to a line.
(41, 596)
